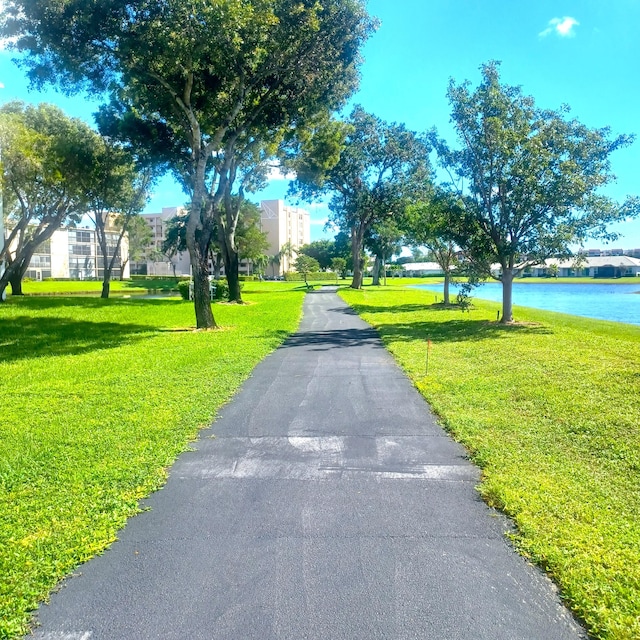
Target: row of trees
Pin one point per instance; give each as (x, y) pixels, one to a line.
(243, 82)
(524, 185)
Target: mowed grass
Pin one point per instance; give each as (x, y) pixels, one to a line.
(98, 398)
(89, 287)
(550, 410)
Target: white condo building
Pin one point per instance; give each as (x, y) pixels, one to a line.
(282, 224)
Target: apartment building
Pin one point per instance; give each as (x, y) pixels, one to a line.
(284, 226)
(158, 263)
(74, 253)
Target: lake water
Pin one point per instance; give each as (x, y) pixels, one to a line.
(619, 302)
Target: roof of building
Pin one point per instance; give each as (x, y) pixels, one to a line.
(422, 266)
(596, 261)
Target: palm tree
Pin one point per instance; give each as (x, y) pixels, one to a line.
(260, 263)
(287, 251)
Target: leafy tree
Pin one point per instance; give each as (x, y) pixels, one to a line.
(322, 250)
(287, 250)
(140, 238)
(339, 265)
(117, 190)
(43, 173)
(305, 265)
(531, 179)
(251, 240)
(427, 224)
(381, 167)
(213, 87)
(260, 263)
(384, 241)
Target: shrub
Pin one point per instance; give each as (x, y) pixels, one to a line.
(183, 288)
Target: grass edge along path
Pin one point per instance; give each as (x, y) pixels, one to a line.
(549, 409)
(99, 398)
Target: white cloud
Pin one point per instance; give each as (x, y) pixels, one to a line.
(563, 27)
(276, 173)
(1, 85)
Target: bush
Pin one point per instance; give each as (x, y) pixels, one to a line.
(247, 278)
(183, 288)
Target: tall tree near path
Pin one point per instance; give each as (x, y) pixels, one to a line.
(381, 168)
(214, 86)
(527, 179)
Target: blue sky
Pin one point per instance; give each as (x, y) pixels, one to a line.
(583, 53)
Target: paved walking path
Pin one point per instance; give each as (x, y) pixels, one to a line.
(328, 506)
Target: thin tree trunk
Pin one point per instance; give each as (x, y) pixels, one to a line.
(232, 269)
(106, 287)
(447, 281)
(356, 250)
(507, 295)
(376, 272)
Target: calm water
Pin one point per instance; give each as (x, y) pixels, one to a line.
(619, 302)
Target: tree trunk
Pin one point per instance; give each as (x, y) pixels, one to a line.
(106, 287)
(447, 280)
(201, 293)
(198, 239)
(15, 281)
(356, 250)
(232, 269)
(507, 295)
(376, 272)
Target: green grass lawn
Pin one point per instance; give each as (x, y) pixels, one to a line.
(88, 287)
(98, 398)
(550, 410)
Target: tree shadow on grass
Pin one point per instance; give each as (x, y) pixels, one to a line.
(406, 308)
(456, 330)
(30, 336)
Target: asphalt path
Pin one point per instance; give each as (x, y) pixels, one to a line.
(323, 503)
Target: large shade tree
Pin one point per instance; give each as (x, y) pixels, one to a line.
(528, 179)
(42, 176)
(212, 85)
(381, 168)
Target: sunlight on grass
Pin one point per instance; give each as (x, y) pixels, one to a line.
(98, 400)
(550, 410)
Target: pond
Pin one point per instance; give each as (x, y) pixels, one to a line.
(618, 302)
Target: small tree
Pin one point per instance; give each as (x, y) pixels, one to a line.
(305, 265)
(140, 237)
(428, 224)
(117, 191)
(339, 265)
(527, 179)
(260, 263)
